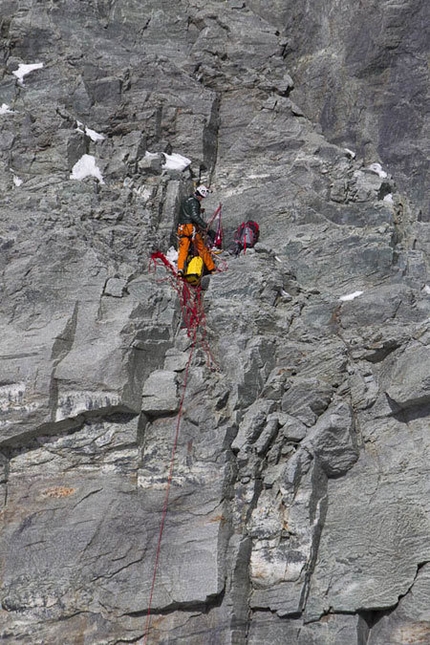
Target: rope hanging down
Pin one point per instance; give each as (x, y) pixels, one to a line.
(217, 242)
(166, 497)
(193, 315)
(191, 304)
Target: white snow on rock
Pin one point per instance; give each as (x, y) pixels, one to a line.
(16, 180)
(176, 162)
(389, 198)
(86, 167)
(172, 255)
(23, 70)
(92, 134)
(377, 168)
(351, 296)
(4, 109)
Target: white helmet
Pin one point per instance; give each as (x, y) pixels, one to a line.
(202, 191)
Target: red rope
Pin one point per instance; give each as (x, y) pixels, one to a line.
(191, 303)
(166, 498)
(217, 242)
(193, 314)
(216, 212)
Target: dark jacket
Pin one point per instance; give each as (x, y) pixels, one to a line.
(190, 212)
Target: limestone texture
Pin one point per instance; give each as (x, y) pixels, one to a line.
(265, 478)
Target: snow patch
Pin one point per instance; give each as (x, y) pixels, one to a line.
(377, 168)
(4, 109)
(172, 255)
(92, 134)
(389, 198)
(351, 296)
(175, 162)
(86, 167)
(426, 289)
(350, 153)
(23, 70)
(16, 180)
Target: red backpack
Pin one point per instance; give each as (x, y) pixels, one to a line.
(245, 237)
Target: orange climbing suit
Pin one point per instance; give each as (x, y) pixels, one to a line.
(187, 233)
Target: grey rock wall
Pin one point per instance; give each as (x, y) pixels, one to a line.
(360, 71)
(296, 507)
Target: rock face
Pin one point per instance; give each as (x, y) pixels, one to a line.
(360, 71)
(266, 481)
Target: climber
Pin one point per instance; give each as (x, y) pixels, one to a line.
(190, 226)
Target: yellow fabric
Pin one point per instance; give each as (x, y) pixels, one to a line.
(194, 270)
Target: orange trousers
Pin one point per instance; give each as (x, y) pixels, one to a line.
(185, 237)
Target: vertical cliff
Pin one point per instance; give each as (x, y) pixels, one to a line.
(298, 507)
